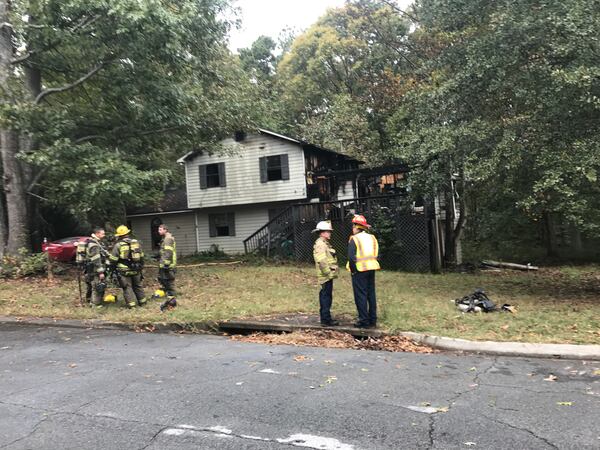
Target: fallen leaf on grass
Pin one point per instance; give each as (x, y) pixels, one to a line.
(504, 327)
(551, 378)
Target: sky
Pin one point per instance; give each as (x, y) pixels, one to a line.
(269, 17)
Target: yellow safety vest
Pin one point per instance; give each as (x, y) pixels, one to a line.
(367, 251)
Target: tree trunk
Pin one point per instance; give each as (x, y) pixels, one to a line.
(14, 188)
(29, 143)
(450, 248)
(13, 181)
(3, 229)
(455, 223)
(551, 240)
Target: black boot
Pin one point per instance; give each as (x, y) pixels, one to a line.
(330, 323)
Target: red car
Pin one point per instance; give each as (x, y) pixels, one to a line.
(64, 249)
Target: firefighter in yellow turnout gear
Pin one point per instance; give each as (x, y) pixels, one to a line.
(91, 255)
(167, 267)
(327, 270)
(127, 258)
(363, 254)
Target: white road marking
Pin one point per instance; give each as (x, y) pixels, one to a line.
(221, 429)
(174, 431)
(423, 409)
(296, 440)
(316, 442)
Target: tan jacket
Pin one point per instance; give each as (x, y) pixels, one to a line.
(325, 260)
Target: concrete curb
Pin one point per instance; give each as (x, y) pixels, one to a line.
(157, 327)
(531, 350)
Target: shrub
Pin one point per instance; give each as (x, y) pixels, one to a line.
(23, 265)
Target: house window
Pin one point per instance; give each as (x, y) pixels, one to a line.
(212, 175)
(221, 224)
(273, 168)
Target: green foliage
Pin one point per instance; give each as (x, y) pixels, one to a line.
(158, 81)
(23, 265)
(383, 221)
(507, 102)
(260, 58)
(341, 78)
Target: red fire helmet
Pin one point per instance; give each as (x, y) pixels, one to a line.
(360, 221)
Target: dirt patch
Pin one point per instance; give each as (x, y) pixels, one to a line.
(336, 339)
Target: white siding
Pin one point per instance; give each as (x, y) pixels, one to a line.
(242, 174)
(181, 225)
(140, 226)
(248, 219)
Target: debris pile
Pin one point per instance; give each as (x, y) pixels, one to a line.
(336, 339)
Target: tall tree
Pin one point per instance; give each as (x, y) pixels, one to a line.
(507, 103)
(347, 67)
(100, 96)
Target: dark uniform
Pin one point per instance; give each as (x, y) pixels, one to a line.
(363, 251)
(95, 261)
(166, 269)
(129, 271)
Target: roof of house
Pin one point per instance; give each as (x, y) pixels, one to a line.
(303, 144)
(174, 200)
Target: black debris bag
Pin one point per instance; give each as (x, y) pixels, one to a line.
(478, 301)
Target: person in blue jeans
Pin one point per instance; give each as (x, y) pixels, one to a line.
(327, 270)
(363, 254)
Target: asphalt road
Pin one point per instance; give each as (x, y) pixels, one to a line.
(96, 389)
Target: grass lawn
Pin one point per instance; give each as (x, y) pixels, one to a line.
(559, 305)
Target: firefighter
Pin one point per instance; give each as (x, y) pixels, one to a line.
(327, 270)
(94, 264)
(167, 267)
(363, 253)
(127, 258)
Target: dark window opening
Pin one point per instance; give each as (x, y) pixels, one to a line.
(221, 224)
(212, 175)
(274, 172)
(156, 238)
(273, 168)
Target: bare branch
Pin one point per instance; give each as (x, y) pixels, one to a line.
(69, 86)
(37, 177)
